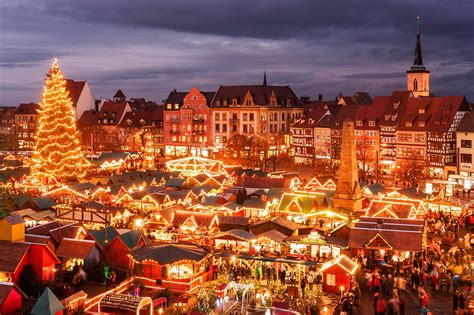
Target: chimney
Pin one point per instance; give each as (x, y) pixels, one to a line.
(320, 97)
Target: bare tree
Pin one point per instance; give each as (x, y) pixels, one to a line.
(414, 169)
(365, 158)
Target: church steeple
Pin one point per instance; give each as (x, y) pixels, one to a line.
(418, 63)
(264, 78)
(418, 78)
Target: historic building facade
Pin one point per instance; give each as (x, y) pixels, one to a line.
(187, 123)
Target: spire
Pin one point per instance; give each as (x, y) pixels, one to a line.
(418, 62)
(264, 78)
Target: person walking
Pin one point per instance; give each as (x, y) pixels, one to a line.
(462, 301)
(310, 279)
(303, 286)
(381, 306)
(455, 301)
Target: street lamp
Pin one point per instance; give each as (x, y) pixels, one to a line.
(342, 290)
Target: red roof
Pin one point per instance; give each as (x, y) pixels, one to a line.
(12, 253)
(27, 108)
(72, 248)
(75, 89)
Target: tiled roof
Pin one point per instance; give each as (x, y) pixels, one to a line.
(12, 253)
(400, 234)
(75, 89)
(202, 219)
(27, 108)
(140, 119)
(131, 238)
(467, 123)
(262, 182)
(99, 235)
(5, 289)
(261, 95)
(72, 248)
(165, 254)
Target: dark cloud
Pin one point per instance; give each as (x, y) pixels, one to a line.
(148, 48)
(24, 57)
(375, 75)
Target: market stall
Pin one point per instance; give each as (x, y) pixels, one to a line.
(236, 240)
(179, 266)
(337, 274)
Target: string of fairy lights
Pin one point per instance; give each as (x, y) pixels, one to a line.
(57, 150)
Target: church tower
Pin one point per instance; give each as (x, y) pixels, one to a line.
(418, 78)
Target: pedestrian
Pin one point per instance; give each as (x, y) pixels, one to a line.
(375, 299)
(310, 279)
(381, 307)
(455, 301)
(421, 294)
(395, 304)
(455, 282)
(303, 286)
(462, 301)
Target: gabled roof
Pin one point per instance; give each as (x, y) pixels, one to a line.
(119, 94)
(73, 248)
(132, 238)
(99, 235)
(27, 108)
(273, 235)
(139, 119)
(175, 182)
(261, 95)
(12, 253)
(467, 123)
(47, 304)
(75, 89)
(165, 254)
(342, 261)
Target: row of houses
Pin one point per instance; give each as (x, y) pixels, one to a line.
(391, 130)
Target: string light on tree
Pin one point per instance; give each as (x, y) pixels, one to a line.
(57, 151)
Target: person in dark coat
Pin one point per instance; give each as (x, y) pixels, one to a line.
(462, 301)
(455, 300)
(303, 286)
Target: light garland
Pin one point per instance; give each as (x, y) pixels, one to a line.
(57, 149)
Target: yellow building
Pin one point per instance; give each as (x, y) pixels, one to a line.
(12, 228)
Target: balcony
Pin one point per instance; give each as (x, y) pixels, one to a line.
(174, 132)
(199, 121)
(198, 132)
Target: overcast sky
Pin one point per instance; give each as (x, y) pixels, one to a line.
(148, 48)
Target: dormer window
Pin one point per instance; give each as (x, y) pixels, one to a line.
(372, 123)
(142, 121)
(408, 124)
(248, 102)
(105, 114)
(273, 103)
(288, 102)
(225, 102)
(218, 103)
(421, 123)
(387, 117)
(98, 121)
(421, 111)
(105, 120)
(394, 117)
(176, 106)
(395, 105)
(234, 101)
(129, 122)
(359, 123)
(113, 114)
(169, 106)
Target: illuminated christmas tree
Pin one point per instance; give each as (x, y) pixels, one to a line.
(57, 151)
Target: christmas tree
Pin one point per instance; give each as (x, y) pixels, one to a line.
(57, 151)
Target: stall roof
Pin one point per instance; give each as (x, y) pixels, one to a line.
(47, 304)
(72, 248)
(344, 262)
(236, 234)
(274, 235)
(165, 254)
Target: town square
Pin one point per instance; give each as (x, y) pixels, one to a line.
(241, 193)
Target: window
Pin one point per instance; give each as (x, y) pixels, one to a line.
(421, 111)
(217, 116)
(357, 132)
(217, 128)
(224, 116)
(218, 139)
(234, 101)
(245, 130)
(129, 122)
(466, 158)
(359, 123)
(372, 123)
(408, 123)
(176, 106)
(283, 116)
(248, 102)
(466, 143)
(224, 128)
(251, 117)
(415, 85)
(169, 106)
(245, 117)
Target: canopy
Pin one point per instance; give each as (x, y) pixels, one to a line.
(165, 254)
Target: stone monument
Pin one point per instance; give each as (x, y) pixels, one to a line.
(348, 193)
